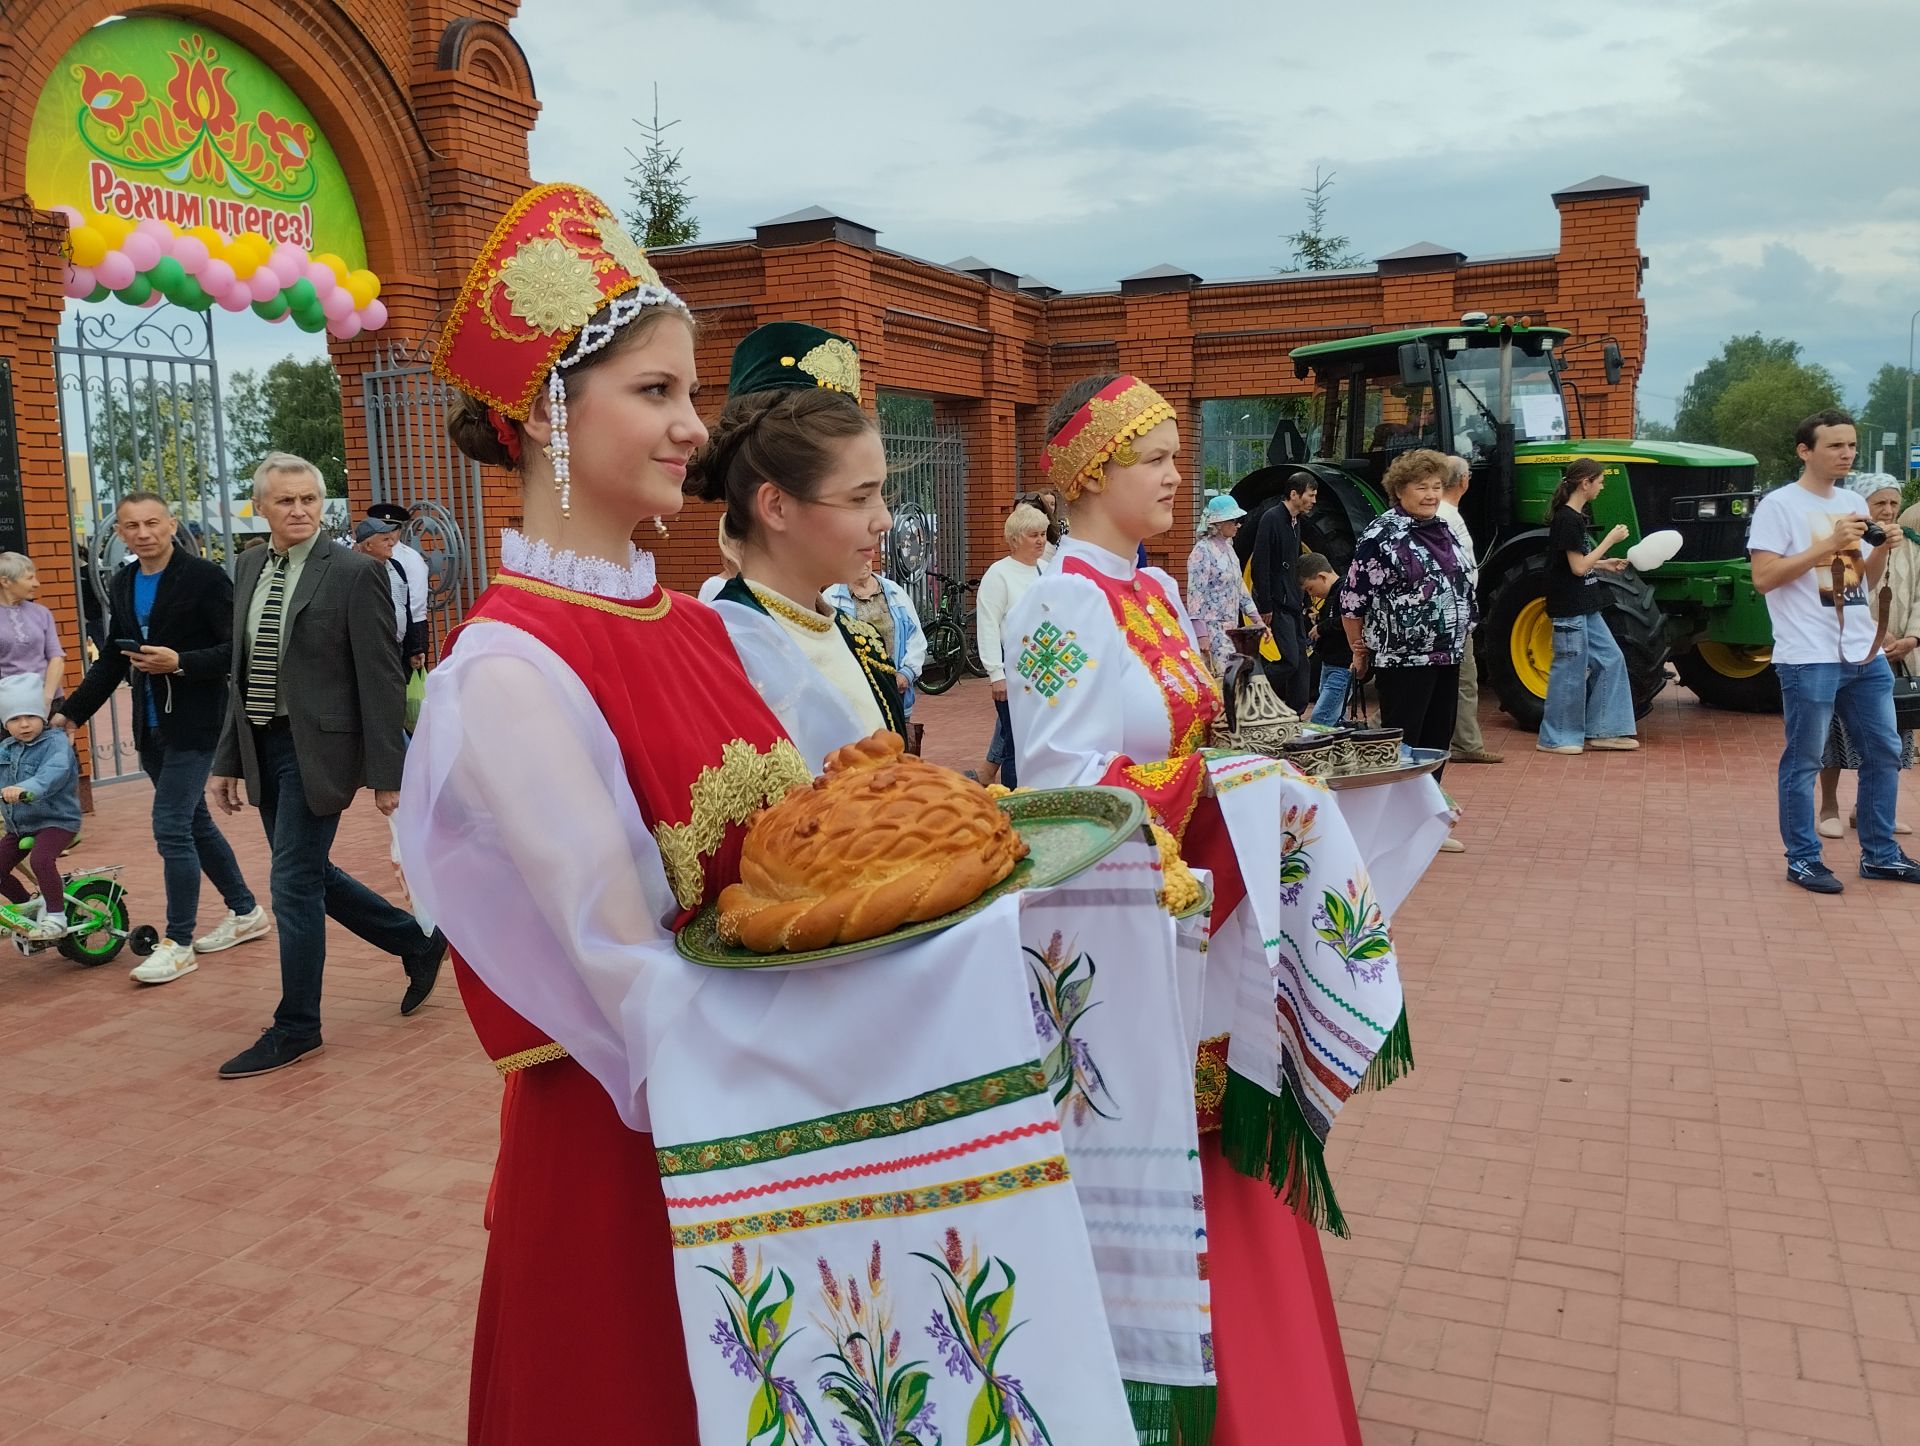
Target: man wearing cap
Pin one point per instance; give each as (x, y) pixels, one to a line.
(380, 540)
(177, 612)
(316, 713)
(413, 567)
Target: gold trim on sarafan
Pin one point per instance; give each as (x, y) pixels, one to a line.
(651, 613)
(726, 793)
(527, 1058)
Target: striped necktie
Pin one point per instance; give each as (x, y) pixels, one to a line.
(263, 665)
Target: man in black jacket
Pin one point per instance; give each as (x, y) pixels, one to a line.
(1276, 590)
(177, 612)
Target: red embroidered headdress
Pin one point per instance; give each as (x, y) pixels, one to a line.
(558, 256)
(1103, 430)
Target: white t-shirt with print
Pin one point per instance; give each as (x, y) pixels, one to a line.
(1789, 520)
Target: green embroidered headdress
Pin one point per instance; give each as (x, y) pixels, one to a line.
(790, 355)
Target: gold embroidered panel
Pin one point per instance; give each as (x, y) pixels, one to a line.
(725, 793)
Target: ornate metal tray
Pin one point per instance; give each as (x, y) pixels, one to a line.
(1413, 763)
(1066, 830)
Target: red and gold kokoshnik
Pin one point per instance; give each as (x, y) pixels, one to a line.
(1103, 431)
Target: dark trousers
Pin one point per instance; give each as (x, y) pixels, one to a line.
(1000, 750)
(1422, 703)
(308, 889)
(1292, 676)
(187, 838)
(43, 859)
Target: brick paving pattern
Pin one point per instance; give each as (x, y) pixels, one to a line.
(1653, 1181)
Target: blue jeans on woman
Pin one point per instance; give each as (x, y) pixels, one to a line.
(1861, 695)
(1332, 702)
(1588, 695)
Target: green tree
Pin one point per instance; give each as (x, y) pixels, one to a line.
(1651, 431)
(1693, 418)
(1758, 413)
(1313, 248)
(293, 407)
(1885, 411)
(661, 212)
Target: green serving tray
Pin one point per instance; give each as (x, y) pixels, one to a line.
(1066, 830)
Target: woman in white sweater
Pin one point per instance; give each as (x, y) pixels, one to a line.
(1005, 583)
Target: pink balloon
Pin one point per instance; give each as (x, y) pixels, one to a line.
(264, 284)
(114, 271)
(216, 277)
(347, 327)
(237, 297)
(159, 230)
(373, 315)
(276, 320)
(322, 277)
(153, 300)
(142, 250)
(338, 304)
(191, 253)
(288, 262)
(80, 280)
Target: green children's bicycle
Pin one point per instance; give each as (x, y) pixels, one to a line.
(97, 928)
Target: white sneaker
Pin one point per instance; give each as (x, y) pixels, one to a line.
(47, 929)
(165, 964)
(234, 929)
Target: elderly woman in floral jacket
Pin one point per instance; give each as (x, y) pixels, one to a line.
(1408, 606)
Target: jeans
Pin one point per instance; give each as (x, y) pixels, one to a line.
(1587, 691)
(1861, 694)
(1000, 750)
(308, 889)
(1333, 694)
(1420, 702)
(187, 838)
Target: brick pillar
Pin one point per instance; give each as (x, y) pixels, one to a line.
(1156, 345)
(1598, 281)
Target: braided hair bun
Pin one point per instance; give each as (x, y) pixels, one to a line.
(790, 438)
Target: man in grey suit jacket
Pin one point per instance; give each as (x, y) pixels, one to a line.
(316, 712)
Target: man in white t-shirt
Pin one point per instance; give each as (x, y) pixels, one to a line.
(1798, 532)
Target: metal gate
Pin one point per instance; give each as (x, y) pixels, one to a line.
(413, 462)
(140, 411)
(927, 488)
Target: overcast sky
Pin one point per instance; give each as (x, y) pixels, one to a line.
(1080, 143)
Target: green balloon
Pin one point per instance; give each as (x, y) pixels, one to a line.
(99, 293)
(192, 297)
(273, 308)
(301, 295)
(316, 321)
(135, 292)
(166, 275)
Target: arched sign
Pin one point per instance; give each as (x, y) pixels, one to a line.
(156, 118)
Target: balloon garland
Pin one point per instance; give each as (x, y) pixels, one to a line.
(146, 262)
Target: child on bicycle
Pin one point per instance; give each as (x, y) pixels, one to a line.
(39, 801)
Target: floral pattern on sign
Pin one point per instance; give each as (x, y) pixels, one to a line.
(1352, 925)
(1297, 838)
(1061, 996)
(970, 1329)
(751, 1335)
(1049, 658)
(882, 1397)
(196, 132)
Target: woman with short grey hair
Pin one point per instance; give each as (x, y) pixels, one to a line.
(29, 640)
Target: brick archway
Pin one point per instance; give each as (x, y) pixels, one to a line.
(427, 103)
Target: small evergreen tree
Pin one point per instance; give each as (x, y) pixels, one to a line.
(1313, 248)
(661, 211)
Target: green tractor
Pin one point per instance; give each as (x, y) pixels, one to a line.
(1494, 392)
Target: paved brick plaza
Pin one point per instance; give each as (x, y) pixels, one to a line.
(1654, 1180)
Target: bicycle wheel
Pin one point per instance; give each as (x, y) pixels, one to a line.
(97, 912)
(946, 657)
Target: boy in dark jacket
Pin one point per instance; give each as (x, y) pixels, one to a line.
(1329, 638)
(39, 801)
(171, 631)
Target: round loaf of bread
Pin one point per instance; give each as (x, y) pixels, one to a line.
(881, 840)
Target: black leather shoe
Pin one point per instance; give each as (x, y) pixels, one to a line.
(273, 1050)
(423, 971)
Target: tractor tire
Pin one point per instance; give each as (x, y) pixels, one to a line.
(1730, 678)
(1516, 640)
(1634, 618)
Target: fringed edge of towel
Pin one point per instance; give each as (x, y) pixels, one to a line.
(1172, 1415)
(1394, 1059)
(1268, 1137)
